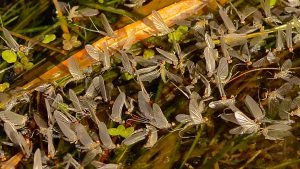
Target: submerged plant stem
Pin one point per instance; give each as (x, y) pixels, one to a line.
(186, 157)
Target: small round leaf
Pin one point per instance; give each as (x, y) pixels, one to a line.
(9, 56)
(49, 38)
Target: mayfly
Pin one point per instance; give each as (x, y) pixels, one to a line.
(135, 3)
(247, 125)
(78, 108)
(279, 41)
(16, 119)
(128, 66)
(210, 56)
(64, 124)
(244, 55)
(289, 37)
(285, 73)
(99, 55)
(196, 108)
(223, 76)
(100, 165)
(118, 105)
(74, 12)
(227, 21)
(83, 136)
(245, 13)
(295, 106)
(17, 138)
(98, 86)
(267, 10)
(37, 160)
(104, 136)
(69, 160)
(274, 96)
(223, 103)
(90, 155)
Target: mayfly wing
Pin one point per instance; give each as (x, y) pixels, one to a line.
(159, 23)
(277, 131)
(174, 77)
(104, 136)
(109, 87)
(64, 125)
(37, 160)
(102, 88)
(90, 156)
(222, 71)
(183, 118)
(106, 57)
(284, 108)
(9, 40)
(88, 12)
(289, 36)
(168, 55)
(229, 117)
(118, 105)
(146, 69)
(153, 136)
(195, 110)
(246, 53)
(286, 65)
(126, 62)
(237, 130)
(40, 121)
(135, 137)
(51, 148)
(227, 21)
(144, 106)
(254, 108)
(16, 138)
(148, 77)
(75, 101)
(74, 69)
(209, 42)
(107, 26)
(210, 61)
(295, 103)
(260, 62)
(92, 90)
(83, 136)
(93, 52)
(284, 89)
(245, 122)
(16, 119)
(246, 12)
(160, 121)
(49, 112)
(219, 104)
(279, 41)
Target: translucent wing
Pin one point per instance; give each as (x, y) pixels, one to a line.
(74, 69)
(102, 88)
(174, 77)
(83, 136)
(160, 121)
(16, 119)
(295, 103)
(106, 58)
(286, 65)
(219, 104)
(195, 110)
(64, 125)
(254, 108)
(183, 118)
(229, 117)
(227, 21)
(90, 155)
(146, 70)
(75, 101)
(222, 71)
(279, 41)
(144, 106)
(107, 26)
(40, 121)
(249, 125)
(37, 160)
(88, 12)
(104, 136)
(159, 23)
(277, 131)
(92, 90)
(153, 137)
(116, 114)
(93, 51)
(260, 62)
(289, 36)
(284, 108)
(168, 55)
(9, 40)
(209, 42)
(126, 62)
(210, 61)
(148, 77)
(135, 137)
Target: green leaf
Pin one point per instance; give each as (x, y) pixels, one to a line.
(9, 56)
(127, 132)
(49, 38)
(113, 132)
(272, 3)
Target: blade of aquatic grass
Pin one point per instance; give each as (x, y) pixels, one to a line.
(187, 155)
